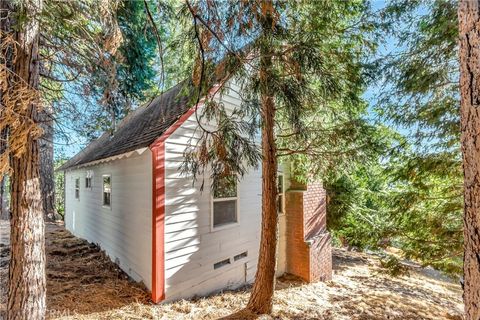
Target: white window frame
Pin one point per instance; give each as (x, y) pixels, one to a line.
(237, 208)
(280, 174)
(103, 188)
(77, 189)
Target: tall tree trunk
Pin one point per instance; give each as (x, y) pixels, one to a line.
(26, 288)
(262, 293)
(469, 20)
(47, 177)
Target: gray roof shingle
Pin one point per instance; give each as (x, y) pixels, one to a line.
(139, 129)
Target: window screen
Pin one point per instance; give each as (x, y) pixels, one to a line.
(224, 212)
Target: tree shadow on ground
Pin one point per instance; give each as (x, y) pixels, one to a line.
(342, 259)
(84, 283)
(82, 279)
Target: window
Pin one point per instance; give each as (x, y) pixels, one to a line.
(107, 191)
(225, 202)
(280, 194)
(77, 188)
(88, 180)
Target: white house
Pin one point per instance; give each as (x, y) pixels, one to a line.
(125, 193)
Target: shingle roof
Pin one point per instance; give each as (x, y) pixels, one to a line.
(138, 130)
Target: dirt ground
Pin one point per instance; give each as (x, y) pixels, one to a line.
(83, 284)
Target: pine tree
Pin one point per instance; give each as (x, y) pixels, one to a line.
(289, 58)
(39, 61)
(19, 79)
(420, 98)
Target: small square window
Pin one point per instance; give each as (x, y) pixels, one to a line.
(107, 191)
(77, 188)
(224, 212)
(225, 202)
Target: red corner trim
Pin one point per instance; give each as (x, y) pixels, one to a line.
(158, 204)
(158, 223)
(158, 210)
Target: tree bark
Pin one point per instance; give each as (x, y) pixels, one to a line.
(26, 288)
(262, 293)
(469, 28)
(47, 177)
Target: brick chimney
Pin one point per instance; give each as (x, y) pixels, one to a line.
(308, 247)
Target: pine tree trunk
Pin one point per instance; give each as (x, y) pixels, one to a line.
(469, 20)
(262, 293)
(47, 177)
(26, 288)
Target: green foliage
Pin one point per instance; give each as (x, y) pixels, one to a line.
(427, 205)
(129, 77)
(417, 190)
(421, 92)
(138, 51)
(98, 63)
(412, 198)
(422, 95)
(358, 206)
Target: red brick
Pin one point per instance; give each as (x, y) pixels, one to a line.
(309, 252)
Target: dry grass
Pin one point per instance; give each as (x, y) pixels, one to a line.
(84, 284)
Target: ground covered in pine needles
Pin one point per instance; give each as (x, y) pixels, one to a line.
(82, 283)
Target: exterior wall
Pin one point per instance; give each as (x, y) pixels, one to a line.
(192, 246)
(321, 258)
(315, 232)
(124, 230)
(308, 242)
(297, 250)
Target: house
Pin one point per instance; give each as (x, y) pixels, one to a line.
(125, 192)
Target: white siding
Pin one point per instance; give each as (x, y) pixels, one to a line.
(192, 247)
(124, 230)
